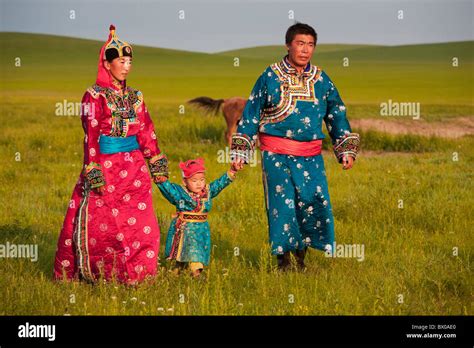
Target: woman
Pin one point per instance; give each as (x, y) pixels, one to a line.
(110, 229)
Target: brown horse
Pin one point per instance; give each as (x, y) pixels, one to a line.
(232, 109)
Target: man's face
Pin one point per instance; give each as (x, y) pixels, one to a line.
(301, 49)
(119, 67)
(196, 183)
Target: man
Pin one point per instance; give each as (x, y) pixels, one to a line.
(285, 112)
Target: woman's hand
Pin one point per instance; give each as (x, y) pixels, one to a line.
(100, 190)
(159, 179)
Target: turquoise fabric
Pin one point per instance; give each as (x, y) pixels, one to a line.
(289, 105)
(305, 122)
(197, 235)
(110, 145)
(299, 210)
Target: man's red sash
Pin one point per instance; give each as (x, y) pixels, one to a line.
(290, 147)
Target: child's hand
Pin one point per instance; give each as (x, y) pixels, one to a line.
(236, 166)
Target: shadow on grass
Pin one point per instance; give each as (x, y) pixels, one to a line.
(15, 234)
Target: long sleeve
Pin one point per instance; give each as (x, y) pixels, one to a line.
(175, 194)
(147, 140)
(243, 141)
(335, 118)
(219, 184)
(91, 113)
(344, 141)
(146, 136)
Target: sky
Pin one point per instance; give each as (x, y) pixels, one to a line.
(215, 26)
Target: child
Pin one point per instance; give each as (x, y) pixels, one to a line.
(189, 239)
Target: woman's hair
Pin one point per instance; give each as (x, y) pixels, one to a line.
(112, 53)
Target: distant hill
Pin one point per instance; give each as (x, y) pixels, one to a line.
(278, 51)
(58, 66)
(428, 52)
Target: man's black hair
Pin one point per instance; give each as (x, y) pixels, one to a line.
(300, 28)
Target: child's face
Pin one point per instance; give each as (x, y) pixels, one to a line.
(196, 183)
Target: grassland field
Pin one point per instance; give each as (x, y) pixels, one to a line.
(418, 259)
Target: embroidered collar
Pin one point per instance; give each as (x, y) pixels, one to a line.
(200, 195)
(118, 86)
(288, 68)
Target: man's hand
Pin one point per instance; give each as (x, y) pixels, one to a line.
(237, 165)
(347, 162)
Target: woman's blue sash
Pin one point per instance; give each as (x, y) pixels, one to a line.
(109, 145)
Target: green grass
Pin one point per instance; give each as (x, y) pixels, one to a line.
(408, 251)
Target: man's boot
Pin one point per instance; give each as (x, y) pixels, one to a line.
(300, 255)
(283, 261)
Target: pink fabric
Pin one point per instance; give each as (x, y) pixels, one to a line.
(290, 147)
(191, 167)
(123, 232)
(103, 75)
(123, 236)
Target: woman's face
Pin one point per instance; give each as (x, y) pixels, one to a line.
(119, 67)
